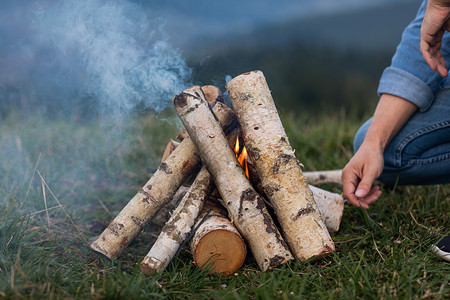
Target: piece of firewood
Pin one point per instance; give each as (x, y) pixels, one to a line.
(281, 176)
(245, 207)
(150, 198)
(171, 145)
(321, 177)
(212, 93)
(179, 225)
(331, 207)
(217, 244)
(156, 192)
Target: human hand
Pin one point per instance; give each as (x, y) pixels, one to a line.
(359, 174)
(435, 23)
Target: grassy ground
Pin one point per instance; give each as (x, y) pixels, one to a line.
(61, 182)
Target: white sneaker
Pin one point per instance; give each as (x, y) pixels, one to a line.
(441, 248)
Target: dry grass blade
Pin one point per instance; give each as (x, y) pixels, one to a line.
(418, 224)
(32, 176)
(62, 207)
(45, 210)
(45, 203)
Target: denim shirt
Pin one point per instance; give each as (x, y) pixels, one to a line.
(409, 76)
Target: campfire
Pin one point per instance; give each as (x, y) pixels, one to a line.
(246, 176)
(241, 156)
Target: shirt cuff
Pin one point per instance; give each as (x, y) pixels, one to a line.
(402, 84)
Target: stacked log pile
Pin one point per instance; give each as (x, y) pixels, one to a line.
(225, 208)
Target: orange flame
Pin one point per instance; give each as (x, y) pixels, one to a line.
(242, 158)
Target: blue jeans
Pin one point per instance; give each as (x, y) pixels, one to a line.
(420, 152)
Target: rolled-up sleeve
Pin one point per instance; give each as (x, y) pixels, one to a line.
(409, 76)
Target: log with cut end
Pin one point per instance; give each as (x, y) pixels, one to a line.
(321, 177)
(280, 171)
(171, 145)
(212, 94)
(245, 207)
(179, 225)
(156, 192)
(217, 244)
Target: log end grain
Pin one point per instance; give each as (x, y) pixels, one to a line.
(222, 251)
(212, 94)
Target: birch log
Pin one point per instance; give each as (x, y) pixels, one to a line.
(156, 192)
(217, 244)
(179, 225)
(321, 177)
(280, 172)
(245, 207)
(149, 199)
(331, 207)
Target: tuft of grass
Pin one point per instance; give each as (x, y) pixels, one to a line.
(62, 181)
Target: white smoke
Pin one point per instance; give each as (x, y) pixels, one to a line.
(107, 52)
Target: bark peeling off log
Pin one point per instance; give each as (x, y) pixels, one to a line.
(229, 178)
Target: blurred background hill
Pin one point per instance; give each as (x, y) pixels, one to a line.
(315, 54)
(330, 59)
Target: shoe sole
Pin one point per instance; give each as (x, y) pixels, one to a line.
(440, 253)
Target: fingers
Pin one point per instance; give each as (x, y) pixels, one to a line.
(365, 185)
(359, 192)
(430, 46)
(433, 57)
(350, 181)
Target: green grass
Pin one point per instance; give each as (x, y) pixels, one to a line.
(85, 177)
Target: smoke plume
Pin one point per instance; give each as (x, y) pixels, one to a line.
(84, 56)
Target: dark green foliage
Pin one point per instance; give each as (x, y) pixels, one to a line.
(305, 78)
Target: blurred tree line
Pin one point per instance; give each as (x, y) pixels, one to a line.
(305, 78)
(302, 79)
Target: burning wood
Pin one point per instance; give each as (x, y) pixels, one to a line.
(156, 192)
(280, 171)
(212, 133)
(330, 205)
(245, 207)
